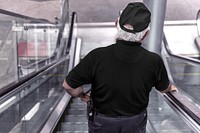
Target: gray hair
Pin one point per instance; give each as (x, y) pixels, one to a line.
(127, 36)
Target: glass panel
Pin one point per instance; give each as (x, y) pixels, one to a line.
(187, 76)
(29, 108)
(8, 61)
(36, 46)
(26, 45)
(163, 118)
(180, 38)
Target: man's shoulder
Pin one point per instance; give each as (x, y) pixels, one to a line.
(101, 49)
(152, 55)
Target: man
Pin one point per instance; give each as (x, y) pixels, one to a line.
(122, 76)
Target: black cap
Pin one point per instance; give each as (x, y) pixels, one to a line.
(137, 15)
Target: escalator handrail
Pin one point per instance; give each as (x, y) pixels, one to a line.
(61, 29)
(38, 62)
(27, 80)
(71, 32)
(11, 87)
(2, 11)
(185, 58)
(198, 22)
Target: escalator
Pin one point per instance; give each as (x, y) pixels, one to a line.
(40, 104)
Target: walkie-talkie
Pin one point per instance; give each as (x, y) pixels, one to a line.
(90, 111)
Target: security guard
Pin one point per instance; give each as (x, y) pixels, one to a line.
(122, 76)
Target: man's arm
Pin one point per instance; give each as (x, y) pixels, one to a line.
(76, 92)
(170, 89)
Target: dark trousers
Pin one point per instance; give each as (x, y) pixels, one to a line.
(104, 124)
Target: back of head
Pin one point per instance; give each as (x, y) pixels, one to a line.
(136, 15)
(135, 19)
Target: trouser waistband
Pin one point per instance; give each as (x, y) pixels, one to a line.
(115, 116)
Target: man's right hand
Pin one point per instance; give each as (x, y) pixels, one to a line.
(171, 88)
(84, 97)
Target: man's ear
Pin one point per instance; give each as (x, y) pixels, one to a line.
(145, 34)
(116, 21)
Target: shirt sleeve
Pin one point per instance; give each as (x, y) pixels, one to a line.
(162, 78)
(82, 73)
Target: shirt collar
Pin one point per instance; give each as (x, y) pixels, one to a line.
(129, 43)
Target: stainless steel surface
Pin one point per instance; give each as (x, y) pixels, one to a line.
(47, 128)
(157, 8)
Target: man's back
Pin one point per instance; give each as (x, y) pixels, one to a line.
(122, 77)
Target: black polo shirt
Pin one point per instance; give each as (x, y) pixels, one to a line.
(122, 75)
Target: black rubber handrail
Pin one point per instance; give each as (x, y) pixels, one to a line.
(37, 20)
(185, 58)
(185, 108)
(73, 21)
(61, 29)
(198, 22)
(38, 62)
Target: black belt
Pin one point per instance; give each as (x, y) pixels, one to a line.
(115, 116)
(111, 116)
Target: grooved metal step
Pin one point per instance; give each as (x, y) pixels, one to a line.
(74, 126)
(72, 132)
(75, 120)
(76, 111)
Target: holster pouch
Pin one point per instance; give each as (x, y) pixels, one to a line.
(90, 110)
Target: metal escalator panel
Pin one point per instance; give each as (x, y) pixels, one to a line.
(28, 107)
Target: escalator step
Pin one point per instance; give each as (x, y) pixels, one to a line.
(77, 100)
(75, 118)
(76, 111)
(72, 132)
(74, 127)
(77, 106)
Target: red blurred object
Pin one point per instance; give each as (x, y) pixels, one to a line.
(29, 50)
